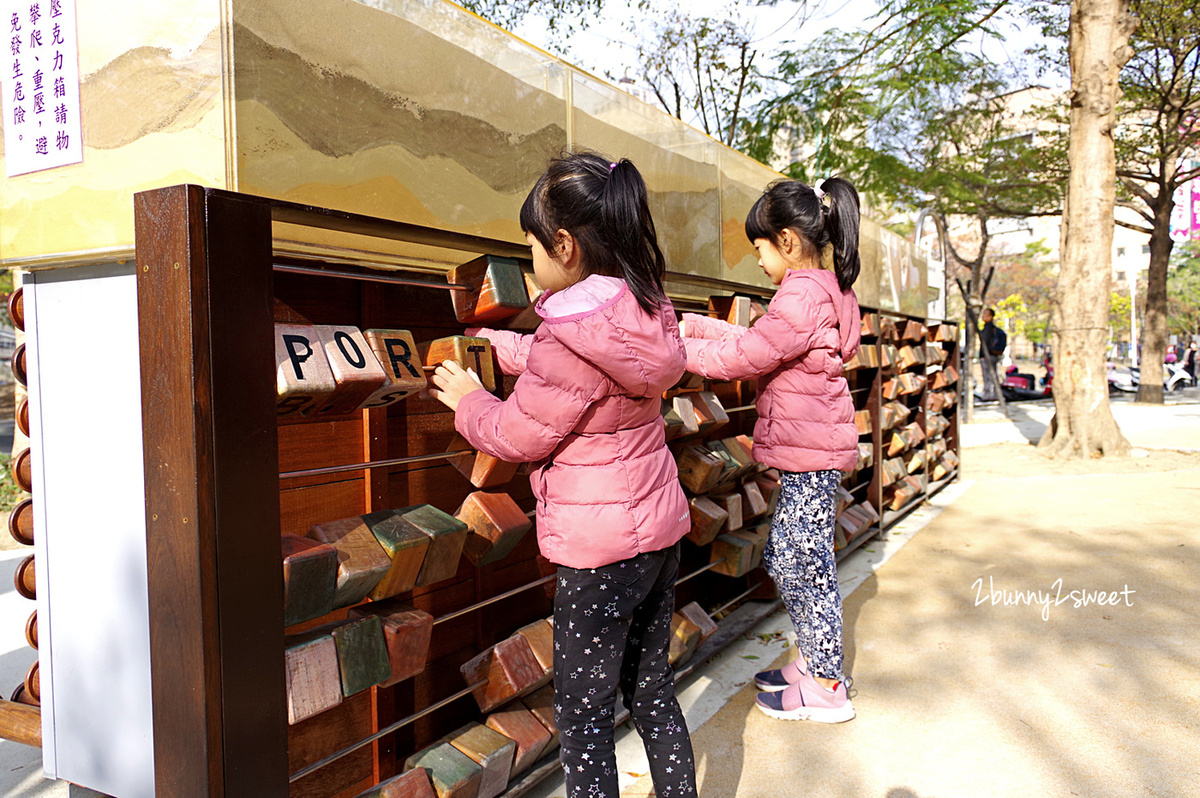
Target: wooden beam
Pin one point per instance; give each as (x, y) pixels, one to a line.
(21, 723)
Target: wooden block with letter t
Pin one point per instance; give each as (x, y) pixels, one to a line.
(356, 370)
(446, 538)
(397, 355)
(310, 574)
(406, 547)
(470, 353)
(496, 524)
(519, 725)
(707, 520)
(410, 784)
(303, 379)
(453, 773)
(491, 750)
(406, 634)
(495, 290)
(507, 669)
(314, 683)
(362, 562)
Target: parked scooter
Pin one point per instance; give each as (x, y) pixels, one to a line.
(1174, 377)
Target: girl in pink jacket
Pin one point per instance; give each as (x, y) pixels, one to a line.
(805, 424)
(610, 510)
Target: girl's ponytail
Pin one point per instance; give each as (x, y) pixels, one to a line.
(841, 227)
(625, 214)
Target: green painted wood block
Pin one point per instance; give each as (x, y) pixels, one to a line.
(309, 579)
(404, 544)
(406, 632)
(362, 654)
(491, 750)
(446, 536)
(453, 773)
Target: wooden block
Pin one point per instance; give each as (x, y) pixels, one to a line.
(699, 468)
(866, 455)
(892, 470)
(913, 330)
(731, 503)
(528, 318)
(362, 654)
(758, 540)
(470, 353)
(483, 470)
(355, 368)
(890, 388)
(862, 421)
(734, 555)
(757, 311)
(685, 636)
(889, 356)
(934, 402)
(892, 414)
(446, 538)
(733, 309)
(303, 378)
(936, 425)
(20, 522)
(696, 614)
(519, 725)
(903, 493)
(672, 423)
(870, 324)
(508, 668)
(401, 363)
(405, 546)
(496, 290)
(707, 520)
(770, 488)
(842, 498)
(314, 681)
(362, 562)
(540, 704)
(410, 784)
(690, 381)
(540, 637)
(685, 408)
(731, 468)
(406, 635)
(496, 524)
(844, 529)
(914, 461)
(25, 578)
(453, 773)
(310, 575)
(489, 749)
(899, 441)
(937, 448)
(740, 454)
(710, 412)
(887, 327)
(911, 356)
(753, 502)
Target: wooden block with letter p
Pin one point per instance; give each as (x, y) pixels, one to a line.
(470, 353)
(495, 290)
(707, 520)
(362, 562)
(356, 371)
(406, 634)
(496, 524)
(685, 636)
(453, 773)
(519, 725)
(491, 750)
(696, 614)
(401, 363)
(446, 538)
(410, 784)
(314, 683)
(405, 546)
(303, 378)
(309, 578)
(507, 669)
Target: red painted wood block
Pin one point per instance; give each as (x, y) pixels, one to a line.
(734, 554)
(528, 318)
(731, 503)
(753, 502)
(453, 773)
(356, 370)
(696, 614)
(496, 290)
(362, 562)
(491, 750)
(699, 468)
(406, 547)
(685, 408)
(303, 378)
(309, 578)
(401, 363)
(707, 520)
(710, 412)
(446, 538)
(406, 634)
(411, 784)
(685, 636)
(508, 668)
(470, 353)
(519, 725)
(496, 524)
(314, 683)
(540, 704)
(540, 636)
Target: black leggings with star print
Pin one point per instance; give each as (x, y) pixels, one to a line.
(612, 626)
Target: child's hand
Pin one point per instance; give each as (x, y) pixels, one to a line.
(683, 328)
(452, 382)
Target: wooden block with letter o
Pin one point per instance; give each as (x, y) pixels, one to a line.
(310, 574)
(707, 520)
(495, 290)
(540, 636)
(470, 353)
(397, 355)
(410, 784)
(734, 553)
(362, 562)
(446, 538)
(303, 378)
(491, 750)
(453, 773)
(406, 635)
(519, 725)
(406, 547)
(356, 371)
(314, 683)
(496, 524)
(696, 614)
(508, 670)
(685, 636)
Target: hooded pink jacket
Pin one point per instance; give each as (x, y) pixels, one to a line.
(587, 409)
(805, 414)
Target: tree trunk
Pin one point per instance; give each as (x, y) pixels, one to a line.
(1154, 328)
(1083, 423)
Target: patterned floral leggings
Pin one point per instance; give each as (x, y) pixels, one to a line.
(799, 557)
(612, 625)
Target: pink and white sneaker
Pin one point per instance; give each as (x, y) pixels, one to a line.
(774, 681)
(808, 700)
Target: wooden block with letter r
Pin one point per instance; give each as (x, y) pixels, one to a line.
(496, 524)
(495, 290)
(470, 353)
(362, 562)
(446, 538)
(406, 547)
(314, 683)
(356, 370)
(410, 784)
(309, 578)
(303, 378)
(507, 669)
(491, 750)
(453, 773)
(403, 374)
(406, 634)
(519, 725)
(707, 520)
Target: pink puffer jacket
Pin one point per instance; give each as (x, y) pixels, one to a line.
(805, 414)
(587, 409)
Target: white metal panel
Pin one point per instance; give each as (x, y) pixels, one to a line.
(89, 502)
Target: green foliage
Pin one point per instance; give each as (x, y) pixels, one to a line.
(10, 494)
(1119, 307)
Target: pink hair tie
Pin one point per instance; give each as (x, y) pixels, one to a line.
(611, 167)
